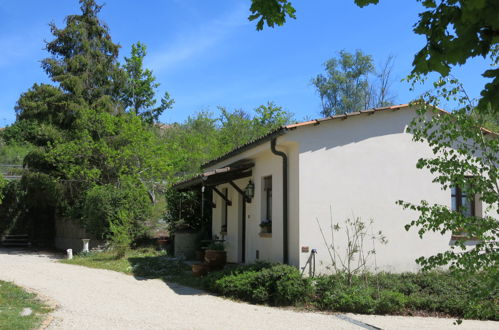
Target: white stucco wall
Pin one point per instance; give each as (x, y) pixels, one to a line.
(268, 248)
(360, 167)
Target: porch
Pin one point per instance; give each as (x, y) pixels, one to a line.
(232, 189)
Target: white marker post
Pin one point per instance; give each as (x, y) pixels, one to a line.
(70, 253)
(85, 245)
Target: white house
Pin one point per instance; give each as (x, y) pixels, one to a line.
(357, 165)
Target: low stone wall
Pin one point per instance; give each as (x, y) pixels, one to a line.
(68, 235)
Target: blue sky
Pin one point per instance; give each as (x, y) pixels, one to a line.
(206, 53)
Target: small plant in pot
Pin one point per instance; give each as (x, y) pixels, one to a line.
(266, 226)
(215, 256)
(199, 270)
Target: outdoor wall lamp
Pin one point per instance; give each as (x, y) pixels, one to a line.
(249, 191)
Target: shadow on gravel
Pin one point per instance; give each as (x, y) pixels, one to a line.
(169, 271)
(43, 253)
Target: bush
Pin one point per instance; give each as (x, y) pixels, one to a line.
(121, 233)
(383, 293)
(263, 283)
(433, 292)
(390, 302)
(103, 205)
(355, 300)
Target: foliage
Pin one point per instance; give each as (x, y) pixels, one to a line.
(455, 31)
(406, 293)
(121, 233)
(269, 117)
(106, 206)
(184, 210)
(204, 137)
(466, 157)
(262, 282)
(215, 246)
(84, 140)
(13, 300)
(84, 62)
(16, 133)
(347, 87)
(390, 302)
(12, 206)
(276, 285)
(14, 153)
(353, 299)
(139, 92)
(271, 12)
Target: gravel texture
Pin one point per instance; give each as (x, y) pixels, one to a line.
(100, 299)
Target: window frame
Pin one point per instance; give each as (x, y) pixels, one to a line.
(457, 195)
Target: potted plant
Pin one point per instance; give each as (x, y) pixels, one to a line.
(215, 256)
(266, 226)
(163, 242)
(199, 270)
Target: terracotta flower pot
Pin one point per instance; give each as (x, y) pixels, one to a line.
(162, 242)
(215, 259)
(199, 270)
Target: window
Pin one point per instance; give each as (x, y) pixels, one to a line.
(225, 205)
(461, 202)
(267, 187)
(465, 204)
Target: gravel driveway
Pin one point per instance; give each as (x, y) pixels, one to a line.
(101, 299)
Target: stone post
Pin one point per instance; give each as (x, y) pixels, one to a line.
(85, 244)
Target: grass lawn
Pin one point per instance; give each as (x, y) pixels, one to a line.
(145, 263)
(13, 300)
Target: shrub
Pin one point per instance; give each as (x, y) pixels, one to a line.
(382, 293)
(120, 233)
(390, 302)
(264, 283)
(215, 246)
(354, 300)
(103, 204)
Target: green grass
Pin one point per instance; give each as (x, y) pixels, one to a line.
(144, 263)
(13, 300)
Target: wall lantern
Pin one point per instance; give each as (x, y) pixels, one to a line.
(249, 191)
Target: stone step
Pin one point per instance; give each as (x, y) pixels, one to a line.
(7, 243)
(15, 240)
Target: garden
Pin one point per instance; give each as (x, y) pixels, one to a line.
(441, 294)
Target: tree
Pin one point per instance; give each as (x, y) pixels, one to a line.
(455, 31)
(84, 60)
(89, 151)
(466, 158)
(236, 128)
(204, 137)
(270, 117)
(347, 86)
(139, 93)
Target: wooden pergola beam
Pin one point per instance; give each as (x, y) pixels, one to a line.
(222, 195)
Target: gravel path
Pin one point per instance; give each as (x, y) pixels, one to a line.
(101, 299)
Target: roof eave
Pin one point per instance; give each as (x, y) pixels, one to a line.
(280, 131)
